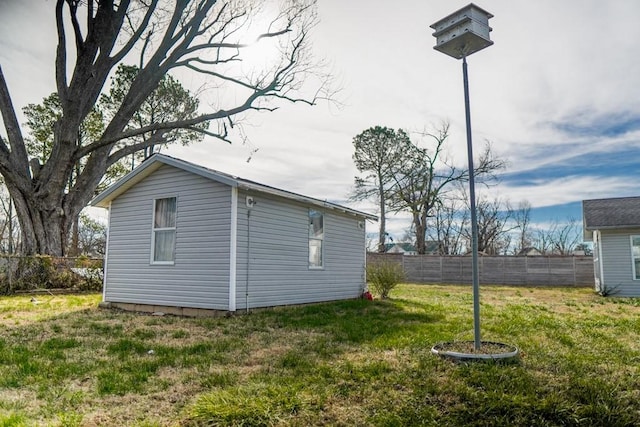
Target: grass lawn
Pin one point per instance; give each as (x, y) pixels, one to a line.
(64, 362)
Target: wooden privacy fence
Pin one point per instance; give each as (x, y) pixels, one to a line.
(494, 270)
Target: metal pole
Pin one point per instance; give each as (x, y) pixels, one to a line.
(474, 219)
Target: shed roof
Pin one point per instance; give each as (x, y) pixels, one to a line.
(157, 160)
(622, 212)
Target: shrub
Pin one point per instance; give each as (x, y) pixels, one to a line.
(384, 276)
(27, 273)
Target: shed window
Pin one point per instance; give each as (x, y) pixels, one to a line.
(164, 231)
(635, 253)
(316, 239)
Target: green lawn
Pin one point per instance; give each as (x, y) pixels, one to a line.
(64, 362)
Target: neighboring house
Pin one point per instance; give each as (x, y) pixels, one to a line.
(614, 227)
(400, 248)
(529, 251)
(181, 235)
(409, 249)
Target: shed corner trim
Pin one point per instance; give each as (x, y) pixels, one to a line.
(233, 248)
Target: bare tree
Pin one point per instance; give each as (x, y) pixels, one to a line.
(494, 217)
(425, 175)
(522, 218)
(543, 241)
(560, 238)
(205, 37)
(565, 237)
(9, 230)
(92, 237)
(377, 152)
(445, 226)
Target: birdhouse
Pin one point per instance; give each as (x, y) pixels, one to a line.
(463, 32)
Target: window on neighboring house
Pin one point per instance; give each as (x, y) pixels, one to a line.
(635, 254)
(164, 231)
(316, 238)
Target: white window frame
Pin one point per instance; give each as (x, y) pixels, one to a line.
(313, 239)
(152, 260)
(636, 273)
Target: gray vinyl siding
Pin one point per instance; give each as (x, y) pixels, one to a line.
(616, 262)
(199, 277)
(278, 255)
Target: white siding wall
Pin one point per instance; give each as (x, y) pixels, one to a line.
(616, 262)
(200, 276)
(278, 271)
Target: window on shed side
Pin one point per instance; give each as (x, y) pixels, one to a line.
(164, 231)
(316, 239)
(635, 253)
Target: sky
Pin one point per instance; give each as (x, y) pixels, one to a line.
(557, 95)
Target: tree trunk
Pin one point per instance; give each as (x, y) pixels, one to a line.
(420, 230)
(382, 238)
(45, 218)
(420, 225)
(73, 249)
(41, 229)
(383, 222)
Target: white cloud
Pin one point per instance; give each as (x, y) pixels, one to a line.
(572, 62)
(549, 192)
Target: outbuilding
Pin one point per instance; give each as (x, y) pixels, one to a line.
(613, 225)
(186, 239)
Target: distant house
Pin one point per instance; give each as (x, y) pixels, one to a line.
(182, 238)
(432, 248)
(400, 248)
(613, 225)
(529, 251)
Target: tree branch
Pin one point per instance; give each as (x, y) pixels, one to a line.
(73, 9)
(156, 139)
(61, 56)
(137, 34)
(18, 153)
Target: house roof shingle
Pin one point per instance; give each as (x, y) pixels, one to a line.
(620, 212)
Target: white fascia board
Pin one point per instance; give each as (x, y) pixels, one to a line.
(103, 199)
(149, 166)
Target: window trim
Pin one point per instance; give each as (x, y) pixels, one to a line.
(310, 239)
(635, 274)
(152, 253)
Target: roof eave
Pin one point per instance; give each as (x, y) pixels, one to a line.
(103, 199)
(245, 185)
(610, 227)
(146, 168)
(154, 162)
